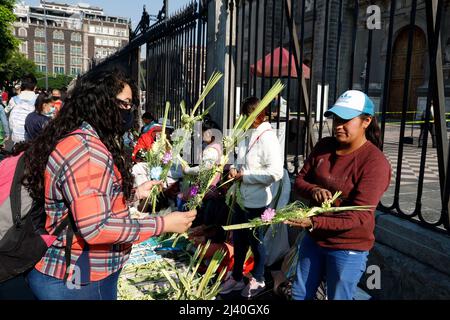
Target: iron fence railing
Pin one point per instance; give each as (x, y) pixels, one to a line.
(319, 49)
(336, 40)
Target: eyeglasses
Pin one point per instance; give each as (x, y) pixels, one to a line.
(125, 104)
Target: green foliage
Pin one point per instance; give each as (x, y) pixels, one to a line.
(54, 81)
(189, 284)
(15, 67)
(8, 42)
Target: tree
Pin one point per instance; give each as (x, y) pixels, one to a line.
(7, 40)
(54, 82)
(15, 67)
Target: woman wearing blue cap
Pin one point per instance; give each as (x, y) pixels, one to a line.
(336, 245)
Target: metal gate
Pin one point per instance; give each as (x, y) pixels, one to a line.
(321, 48)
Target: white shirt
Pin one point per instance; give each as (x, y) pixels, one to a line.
(19, 113)
(261, 165)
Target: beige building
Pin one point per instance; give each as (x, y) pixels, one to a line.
(73, 38)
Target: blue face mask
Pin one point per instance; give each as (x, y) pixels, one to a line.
(50, 113)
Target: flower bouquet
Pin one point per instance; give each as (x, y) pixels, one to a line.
(159, 161)
(163, 154)
(208, 173)
(295, 210)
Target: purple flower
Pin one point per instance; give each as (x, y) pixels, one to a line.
(268, 215)
(194, 191)
(167, 158)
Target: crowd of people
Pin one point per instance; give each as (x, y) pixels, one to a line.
(85, 158)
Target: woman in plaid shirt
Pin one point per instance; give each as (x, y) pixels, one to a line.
(79, 165)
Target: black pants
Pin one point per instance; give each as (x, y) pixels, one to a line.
(243, 239)
(423, 131)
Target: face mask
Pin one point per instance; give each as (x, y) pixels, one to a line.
(51, 112)
(127, 119)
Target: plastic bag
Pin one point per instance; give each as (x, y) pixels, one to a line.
(276, 243)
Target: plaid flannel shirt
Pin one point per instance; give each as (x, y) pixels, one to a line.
(80, 172)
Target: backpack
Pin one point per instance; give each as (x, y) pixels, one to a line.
(23, 238)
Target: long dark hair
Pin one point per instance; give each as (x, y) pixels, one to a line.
(373, 131)
(93, 99)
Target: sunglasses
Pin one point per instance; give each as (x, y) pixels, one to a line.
(125, 104)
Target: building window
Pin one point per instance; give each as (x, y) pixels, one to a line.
(40, 58)
(58, 59)
(39, 46)
(76, 37)
(58, 70)
(75, 70)
(39, 33)
(41, 68)
(76, 61)
(59, 48)
(23, 32)
(24, 48)
(75, 50)
(58, 35)
(122, 32)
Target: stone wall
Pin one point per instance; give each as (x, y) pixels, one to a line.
(414, 261)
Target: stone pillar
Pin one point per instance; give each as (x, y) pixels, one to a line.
(218, 55)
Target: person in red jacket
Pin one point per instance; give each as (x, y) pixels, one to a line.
(145, 141)
(336, 245)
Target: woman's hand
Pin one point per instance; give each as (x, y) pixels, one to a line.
(197, 231)
(301, 223)
(179, 222)
(236, 175)
(320, 195)
(233, 172)
(143, 190)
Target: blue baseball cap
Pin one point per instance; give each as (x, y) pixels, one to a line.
(351, 104)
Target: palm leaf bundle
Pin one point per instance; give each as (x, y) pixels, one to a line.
(190, 284)
(243, 124)
(293, 211)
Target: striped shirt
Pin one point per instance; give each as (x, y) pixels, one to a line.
(80, 172)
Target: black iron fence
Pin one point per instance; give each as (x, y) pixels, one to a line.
(176, 61)
(365, 45)
(319, 49)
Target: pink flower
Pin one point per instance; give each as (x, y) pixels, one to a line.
(194, 191)
(166, 158)
(268, 215)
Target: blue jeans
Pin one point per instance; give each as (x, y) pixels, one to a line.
(45, 287)
(243, 239)
(342, 270)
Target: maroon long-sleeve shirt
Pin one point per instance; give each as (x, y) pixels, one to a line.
(362, 176)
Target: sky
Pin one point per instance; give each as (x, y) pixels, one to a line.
(124, 8)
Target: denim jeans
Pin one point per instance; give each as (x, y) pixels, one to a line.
(243, 239)
(341, 269)
(45, 287)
